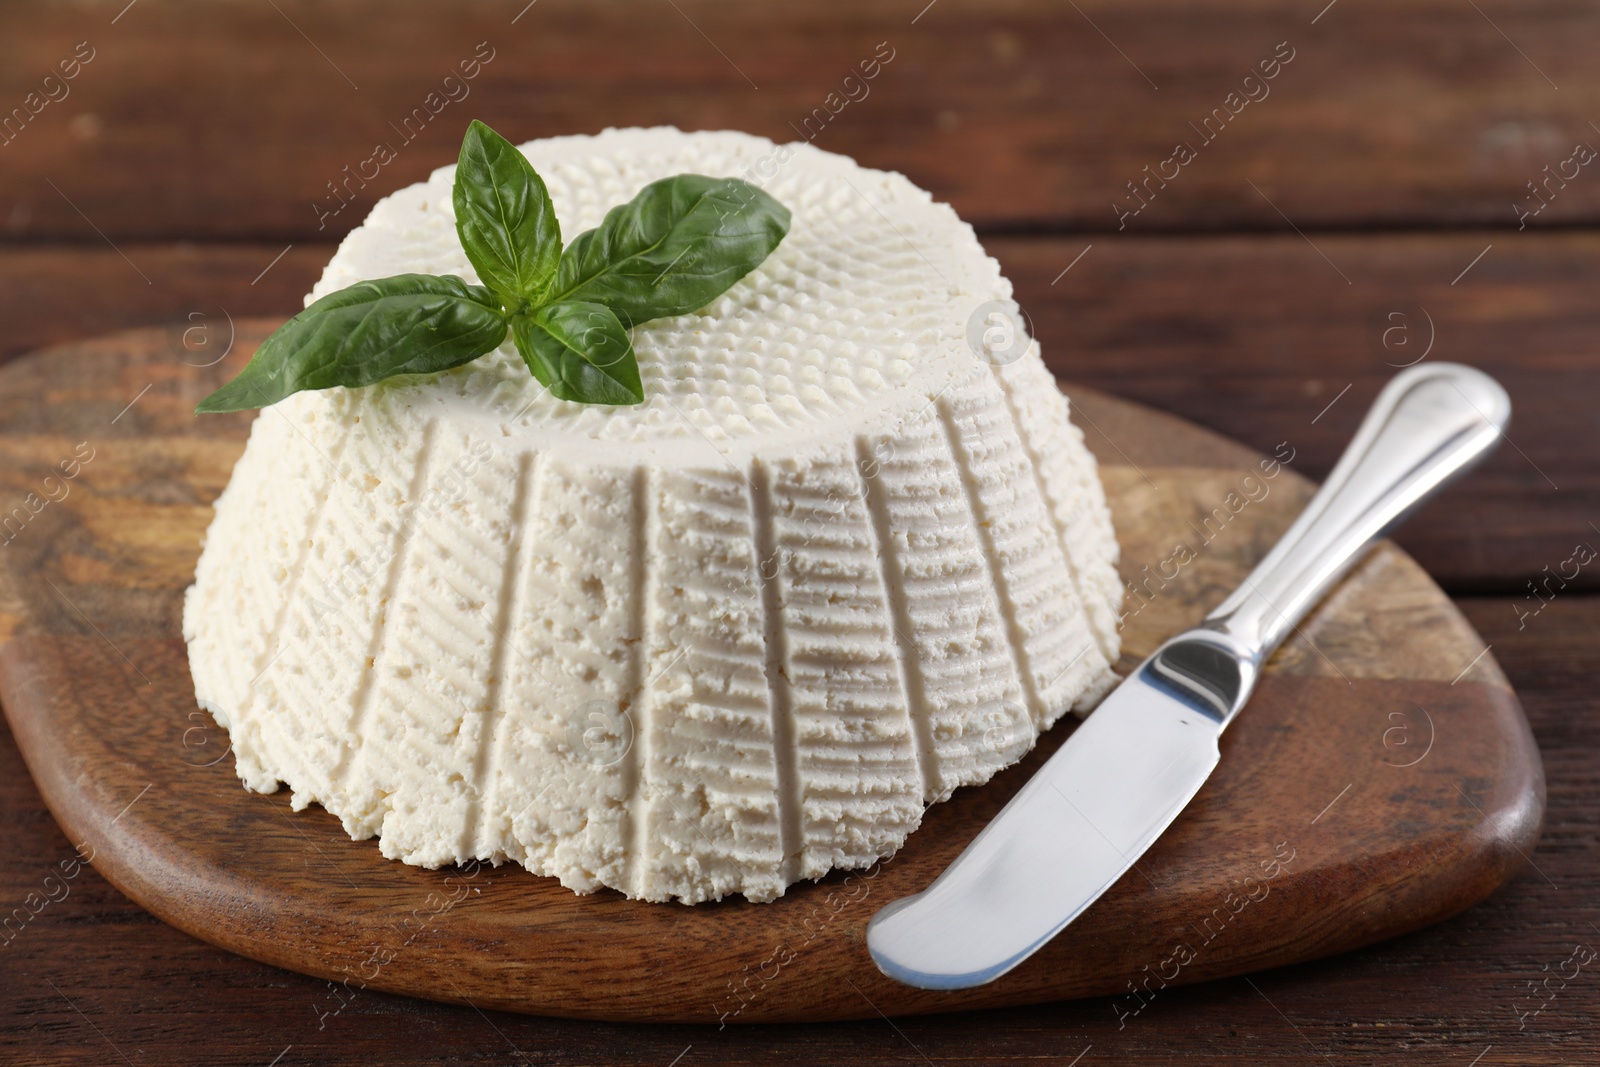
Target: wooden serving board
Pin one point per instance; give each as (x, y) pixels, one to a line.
(1382, 778)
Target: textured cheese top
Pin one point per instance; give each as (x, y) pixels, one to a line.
(845, 558)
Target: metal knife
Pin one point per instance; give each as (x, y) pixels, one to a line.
(1124, 775)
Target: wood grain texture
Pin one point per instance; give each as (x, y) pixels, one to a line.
(1418, 116)
(1255, 336)
(1023, 114)
(55, 293)
(94, 973)
(1262, 336)
(1384, 764)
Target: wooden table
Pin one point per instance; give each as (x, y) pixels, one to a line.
(1369, 203)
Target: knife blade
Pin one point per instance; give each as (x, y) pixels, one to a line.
(1116, 784)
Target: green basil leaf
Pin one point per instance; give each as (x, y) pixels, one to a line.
(672, 249)
(407, 324)
(504, 217)
(580, 351)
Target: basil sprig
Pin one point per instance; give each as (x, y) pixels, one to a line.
(672, 249)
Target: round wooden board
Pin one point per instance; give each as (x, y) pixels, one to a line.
(1382, 778)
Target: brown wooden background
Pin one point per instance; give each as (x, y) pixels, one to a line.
(1381, 177)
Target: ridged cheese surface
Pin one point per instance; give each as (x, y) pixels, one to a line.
(839, 563)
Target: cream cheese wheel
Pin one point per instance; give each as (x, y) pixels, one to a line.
(848, 555)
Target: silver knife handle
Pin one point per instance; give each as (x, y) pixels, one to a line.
(1430, 424)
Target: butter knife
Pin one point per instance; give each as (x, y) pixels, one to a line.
(1133, 765)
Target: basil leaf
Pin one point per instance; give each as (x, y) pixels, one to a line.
(407, 324)
(504, 217)
(672, 249)
(580, 351)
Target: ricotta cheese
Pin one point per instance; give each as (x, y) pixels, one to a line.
(838, 564)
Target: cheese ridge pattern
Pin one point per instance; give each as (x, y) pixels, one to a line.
(837, 565)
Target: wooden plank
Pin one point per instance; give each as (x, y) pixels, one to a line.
(96, 687)
(231, 120)
(1261, 337)
(163, 996)
(55, 293)
(1251, 336)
